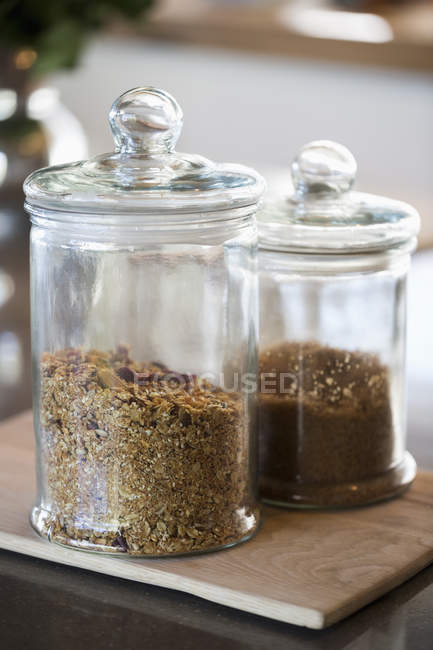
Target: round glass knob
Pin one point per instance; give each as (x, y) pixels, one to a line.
(145, 120)
(323, 166)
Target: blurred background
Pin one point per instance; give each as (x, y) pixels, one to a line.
(256, 79)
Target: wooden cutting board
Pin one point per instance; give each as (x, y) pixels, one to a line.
(306, 568)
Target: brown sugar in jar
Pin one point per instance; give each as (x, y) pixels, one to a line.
(326, 427)
(333, 265)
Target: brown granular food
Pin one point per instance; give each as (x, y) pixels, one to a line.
(137, 459)
(326, 427)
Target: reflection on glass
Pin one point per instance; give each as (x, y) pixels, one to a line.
(8, 103)
(3, 166)
(7, 288)
(11, 353)
(11, 359)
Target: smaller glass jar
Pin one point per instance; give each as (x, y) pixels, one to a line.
(333, 265)
(144, 319)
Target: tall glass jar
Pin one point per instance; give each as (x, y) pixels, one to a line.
(144, 330)
(333, 265)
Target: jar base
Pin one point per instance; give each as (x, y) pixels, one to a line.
(42, 522)
(342, 495)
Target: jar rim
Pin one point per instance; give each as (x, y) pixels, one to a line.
(155, 220)
(364, 229)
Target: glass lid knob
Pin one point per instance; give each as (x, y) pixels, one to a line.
(323, 167)
(145, 120)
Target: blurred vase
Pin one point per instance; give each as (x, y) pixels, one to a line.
(35, 128)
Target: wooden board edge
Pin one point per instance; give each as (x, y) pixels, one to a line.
(120, 568)
(382, 589)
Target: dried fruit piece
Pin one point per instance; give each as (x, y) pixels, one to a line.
(109, 379)
(126, 373)
(121, 542)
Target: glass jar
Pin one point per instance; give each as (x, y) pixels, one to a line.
(333, 265)
(144, 328)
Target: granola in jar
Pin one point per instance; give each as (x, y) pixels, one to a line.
(139, 459)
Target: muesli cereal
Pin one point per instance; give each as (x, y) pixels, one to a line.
(139, 459)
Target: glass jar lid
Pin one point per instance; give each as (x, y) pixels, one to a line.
(324, 215)
(144, 174)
